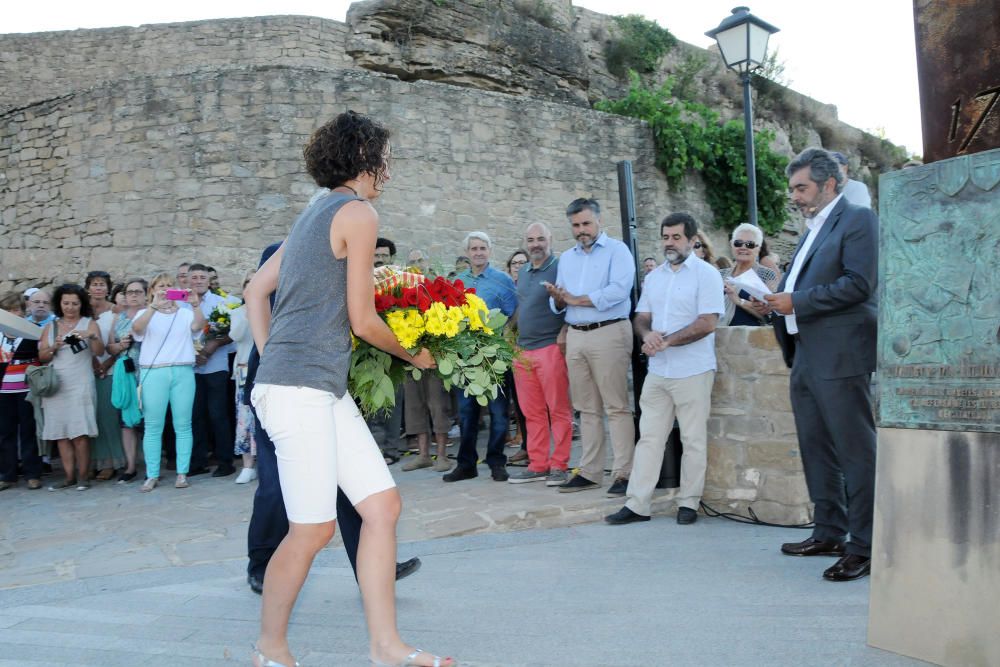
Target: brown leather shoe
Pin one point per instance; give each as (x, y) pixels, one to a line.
(813, 547)
(34, 484)
(849, 568)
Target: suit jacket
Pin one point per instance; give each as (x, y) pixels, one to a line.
(835, 300)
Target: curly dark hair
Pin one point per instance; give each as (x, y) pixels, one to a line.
(78, 292)
(349, 145)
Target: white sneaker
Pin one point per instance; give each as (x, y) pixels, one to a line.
(246, 475)
(454, 432)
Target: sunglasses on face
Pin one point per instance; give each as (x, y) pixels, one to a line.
(698, 245)
(135, 292)
(750, 245)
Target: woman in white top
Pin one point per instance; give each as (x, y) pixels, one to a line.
(166, 374)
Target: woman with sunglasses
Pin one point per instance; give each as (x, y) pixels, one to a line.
(703, 250)
(746, 242)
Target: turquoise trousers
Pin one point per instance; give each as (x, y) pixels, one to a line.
(173, 385)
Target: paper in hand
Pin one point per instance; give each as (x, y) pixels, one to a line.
(750, 282)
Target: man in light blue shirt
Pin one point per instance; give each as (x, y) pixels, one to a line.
(593, 286)
(675, 319)
(38, 306)
(497, 289)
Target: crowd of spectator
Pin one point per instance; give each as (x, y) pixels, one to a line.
(570, 322)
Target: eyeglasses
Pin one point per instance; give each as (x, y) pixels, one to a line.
(750, 245)
(519, 262)
(698, 245)
(135, 292)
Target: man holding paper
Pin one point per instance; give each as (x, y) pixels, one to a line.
(828, 335)
(747, 280)
(675, 319)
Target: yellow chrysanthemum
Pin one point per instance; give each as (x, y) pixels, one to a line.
(407, 325)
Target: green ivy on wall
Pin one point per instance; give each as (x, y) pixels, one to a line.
(639, 46)
(690, 136)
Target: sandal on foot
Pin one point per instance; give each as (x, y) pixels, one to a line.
(181, 482)
(65, 484)
(442, 464)
(261, 660)
(409, 661)
(149, 484)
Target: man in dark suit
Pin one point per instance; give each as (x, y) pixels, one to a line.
(828, 336)
(268, 522)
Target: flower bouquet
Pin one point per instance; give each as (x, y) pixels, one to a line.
(219, 321)
(462, 334)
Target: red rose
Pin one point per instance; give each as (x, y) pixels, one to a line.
(423, 301)
(409, 297)
(384, 302)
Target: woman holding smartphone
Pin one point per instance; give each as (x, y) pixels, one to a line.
(323, 278)
(166, 373)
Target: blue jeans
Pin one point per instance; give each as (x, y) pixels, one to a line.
(160, 386)
(468, 422)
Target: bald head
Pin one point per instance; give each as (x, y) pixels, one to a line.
(538, 243)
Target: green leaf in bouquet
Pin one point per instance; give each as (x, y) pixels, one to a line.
(416, 373)
(496, 320)
(482, 400)
(476, 359)
(499, 366)
(445, 366)
(475, 389)
(489, 351)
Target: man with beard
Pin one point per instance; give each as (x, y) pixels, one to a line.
(540, 368)
(593, 286)
(675, 319)
(827, 336)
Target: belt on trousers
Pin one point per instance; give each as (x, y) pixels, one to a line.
(594, 325)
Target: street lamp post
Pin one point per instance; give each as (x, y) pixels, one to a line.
(742, 40)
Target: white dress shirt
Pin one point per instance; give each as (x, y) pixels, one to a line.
(676, 299)
(815, 224)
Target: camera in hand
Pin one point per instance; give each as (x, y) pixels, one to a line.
(75, 343)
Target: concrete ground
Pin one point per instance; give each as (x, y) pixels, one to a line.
(513, 575)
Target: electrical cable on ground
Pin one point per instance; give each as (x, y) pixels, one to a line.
(751, 519)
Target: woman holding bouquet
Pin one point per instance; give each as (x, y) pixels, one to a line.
(324, 290)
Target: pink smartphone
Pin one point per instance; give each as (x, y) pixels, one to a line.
(176, 294)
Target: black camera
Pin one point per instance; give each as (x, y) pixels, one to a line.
(129, 365)
(75, 343)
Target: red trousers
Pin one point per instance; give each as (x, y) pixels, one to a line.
(543, 394)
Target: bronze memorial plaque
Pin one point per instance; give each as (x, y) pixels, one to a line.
(939, 314)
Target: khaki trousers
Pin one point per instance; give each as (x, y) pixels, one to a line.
(598, 361)
(689, 400)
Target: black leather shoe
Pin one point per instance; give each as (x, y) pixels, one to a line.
(198, 471)
(224, 471)
(499, 473)
(406, 568)
(686, 515)
(849, 568)
(623, 516)
(618, 489)
(256, 583)
(813, 547)
(577, 483)
(458, 474)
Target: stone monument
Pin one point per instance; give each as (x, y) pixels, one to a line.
(936, 559)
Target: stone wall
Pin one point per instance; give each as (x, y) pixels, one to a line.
(141, 173)
(753, 453)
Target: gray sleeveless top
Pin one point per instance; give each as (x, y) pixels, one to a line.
(310, 340)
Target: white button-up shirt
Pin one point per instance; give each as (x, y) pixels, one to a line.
(815, 224)
(676, 299)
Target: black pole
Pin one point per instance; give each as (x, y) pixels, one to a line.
(751, 160)
(626, 200)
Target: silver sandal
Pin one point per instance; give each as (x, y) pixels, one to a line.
(267, 662)
(408, 662)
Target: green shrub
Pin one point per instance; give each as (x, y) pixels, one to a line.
(690, 136)
(639, 46)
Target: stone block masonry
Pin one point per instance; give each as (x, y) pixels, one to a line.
(138, 174)
(753, 451)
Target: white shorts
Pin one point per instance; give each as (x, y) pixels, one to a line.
(321, 442)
